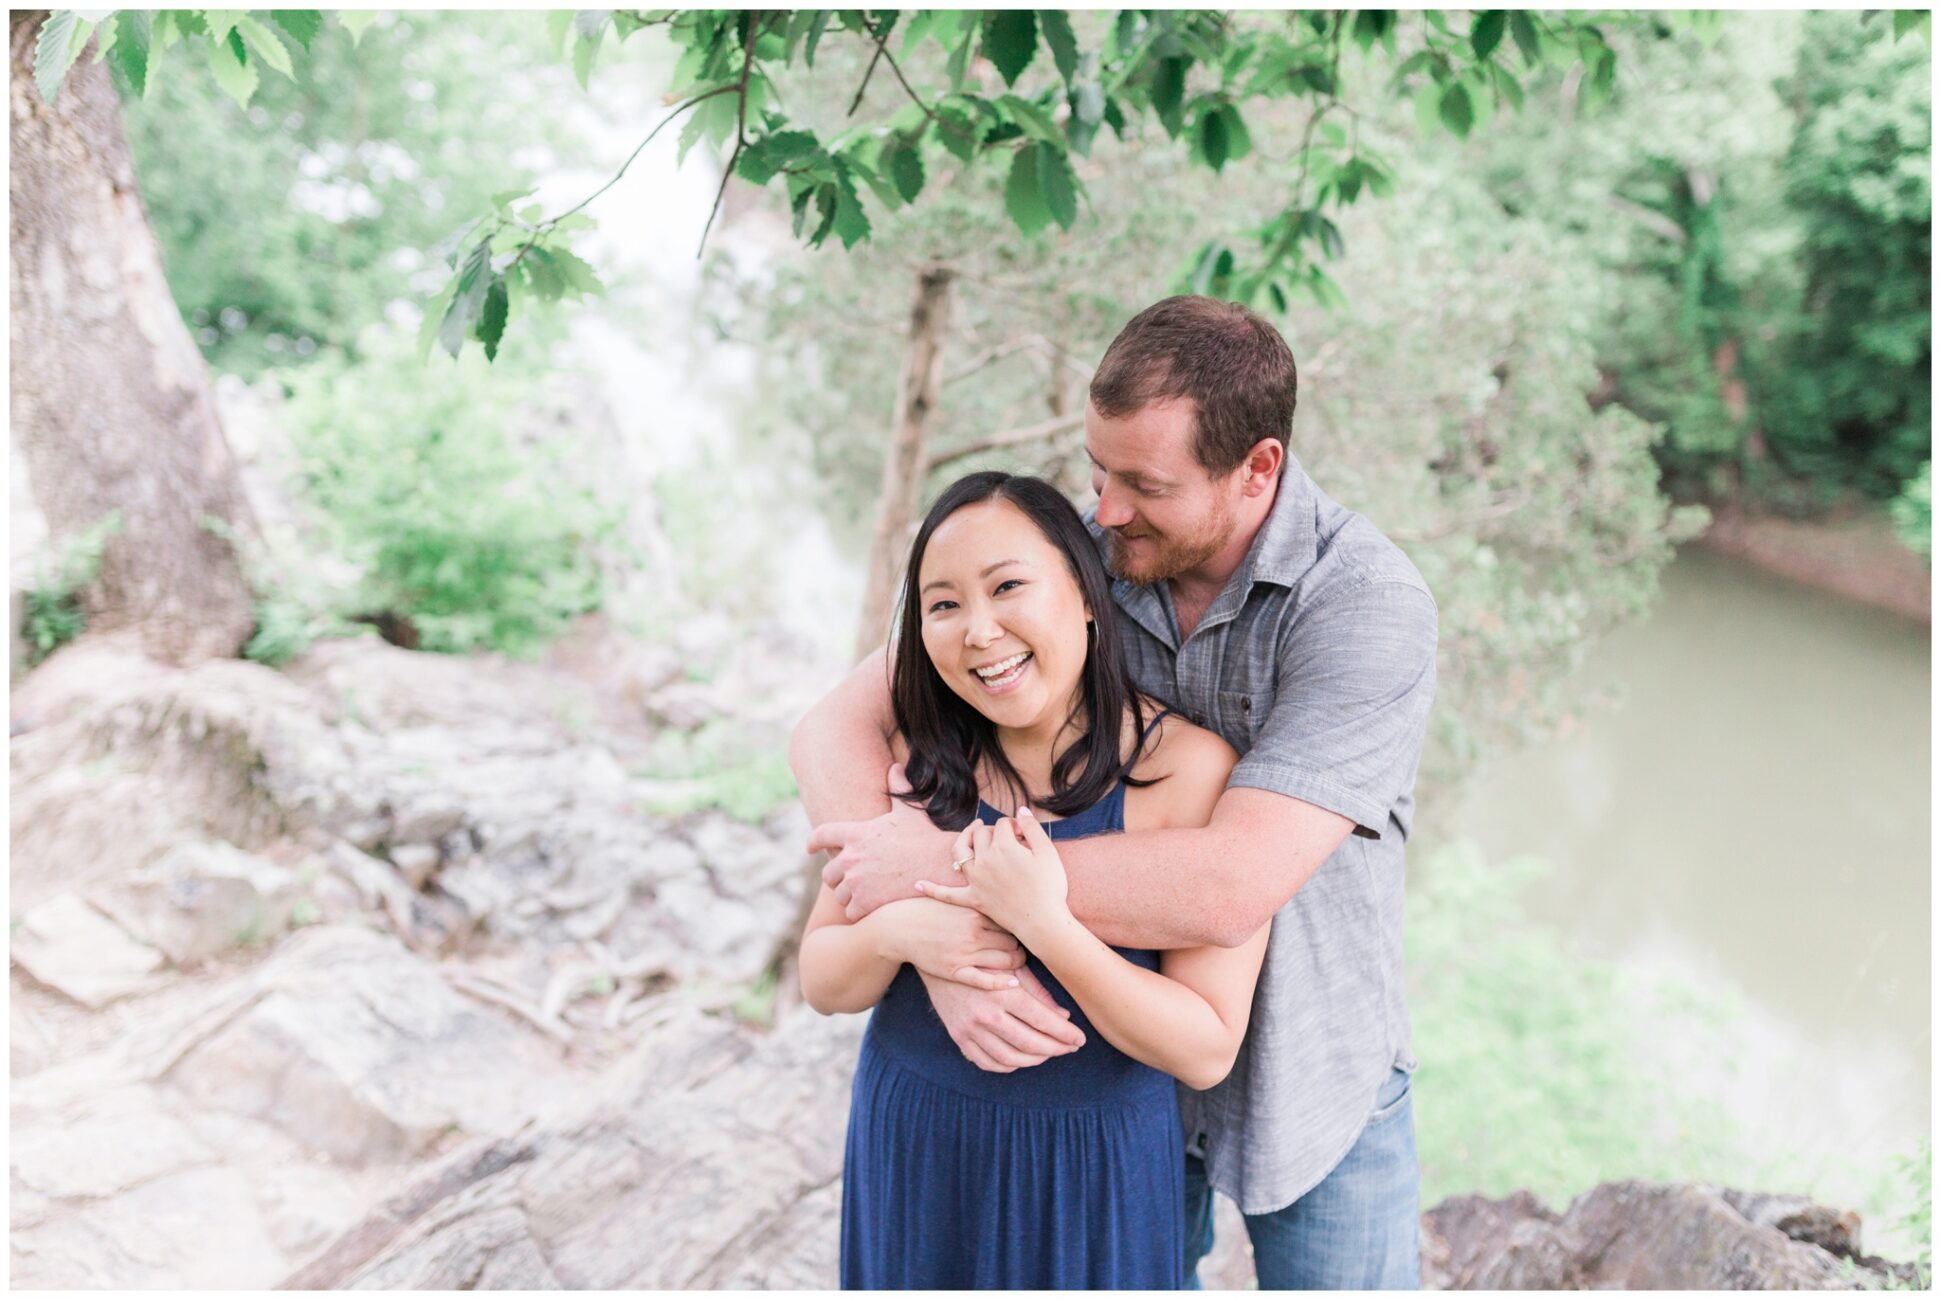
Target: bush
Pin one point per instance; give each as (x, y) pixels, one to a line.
(467, 537)
(1913, 512)
(1544, 1070)
(1847, 397)
(54, 614)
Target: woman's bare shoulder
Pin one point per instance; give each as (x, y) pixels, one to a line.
(1189, 766)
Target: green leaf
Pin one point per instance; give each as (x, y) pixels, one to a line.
(861, 168)
(584, 49)
(1240, 141)
(558, 23)
(104, 37)
(959, 61)
(1167, 91)
(54, 52)
(355, 21)
(1486, 31)
(800, 206)
(1058, 185)
(577, 273)
(267, 45)
(1024, 196)
(163, 33)
(1031, 118)
(220, 22)
(1525, 32)
(544, 275)
(1600, 78)
(236, 77)
(1211, 139)
(906, 172)
(826, 199)
(1010, 41)
(1057, 27)
(959, 132)
(1428, 108)
(302, 24)
(1368, 27)
(130, 52)
(1458, 114)
(492, 318)
(434, 317)
(817, 26)
(468, 297)
(850, 222)
(1507, 86)
(1331, 242)
(1907, 20)
(762, 159)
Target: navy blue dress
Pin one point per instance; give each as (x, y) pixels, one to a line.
(1064, 1175)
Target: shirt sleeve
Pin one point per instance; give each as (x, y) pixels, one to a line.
(1352, 687)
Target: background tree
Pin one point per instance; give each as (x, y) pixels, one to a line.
(111, 402)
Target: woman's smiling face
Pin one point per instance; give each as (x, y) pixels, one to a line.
(1004, 621)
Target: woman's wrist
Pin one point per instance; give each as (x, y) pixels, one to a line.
(1047, 930)
(883, 938)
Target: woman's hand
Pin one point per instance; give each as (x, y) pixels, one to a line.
(1013, 875)
(947, 942)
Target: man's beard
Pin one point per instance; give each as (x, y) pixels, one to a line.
(1167, 556)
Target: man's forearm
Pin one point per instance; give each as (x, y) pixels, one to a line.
(840, 750)
(1158, 888)
(1181, 888)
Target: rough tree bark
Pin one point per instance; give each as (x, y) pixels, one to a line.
(111, 403)
(916, 399)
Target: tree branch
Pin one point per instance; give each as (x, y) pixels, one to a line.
(1009, 438)
(613, 180)
(915, 98)
(741, 124)
(857, 102)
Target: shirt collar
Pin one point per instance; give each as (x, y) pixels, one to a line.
(1285, 546)
(1281, 552)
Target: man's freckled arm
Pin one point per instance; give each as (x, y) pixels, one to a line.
(1216, 884)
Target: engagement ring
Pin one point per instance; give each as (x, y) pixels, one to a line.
(958, 865)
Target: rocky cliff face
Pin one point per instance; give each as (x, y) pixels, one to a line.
(375, 973)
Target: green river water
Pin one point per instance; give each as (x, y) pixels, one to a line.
(1753, 815)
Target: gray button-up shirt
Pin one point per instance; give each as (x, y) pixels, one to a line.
(1316, 663)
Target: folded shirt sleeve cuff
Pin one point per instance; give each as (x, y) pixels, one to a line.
(1257, 773)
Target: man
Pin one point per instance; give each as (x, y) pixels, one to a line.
(1263, 610)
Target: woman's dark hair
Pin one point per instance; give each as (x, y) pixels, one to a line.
(948, 738)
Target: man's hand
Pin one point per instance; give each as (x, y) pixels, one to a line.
(881, 860)
(952, 943)
(1006, 1030)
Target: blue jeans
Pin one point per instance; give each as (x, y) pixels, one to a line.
(1357, 1229)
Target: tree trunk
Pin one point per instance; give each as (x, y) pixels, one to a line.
(111, 403)
(916, 399)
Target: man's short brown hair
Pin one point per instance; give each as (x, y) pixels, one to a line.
(1235, 367)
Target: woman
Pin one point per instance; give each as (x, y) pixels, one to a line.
(1010, 692)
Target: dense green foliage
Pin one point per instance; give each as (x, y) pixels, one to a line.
(1751, 213)
(974, 94)
(1541, 1069)
(472, 535)
(1847, 401)
(1913, 512)
(292, 224)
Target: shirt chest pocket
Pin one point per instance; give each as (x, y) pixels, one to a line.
(1239, 716)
